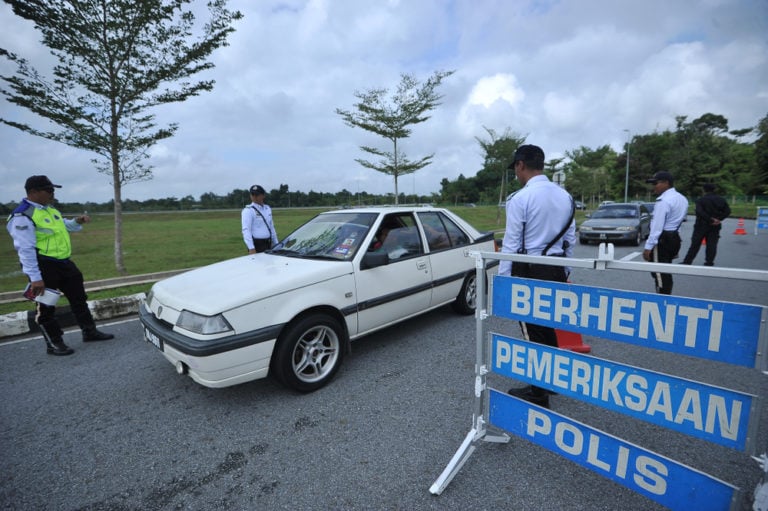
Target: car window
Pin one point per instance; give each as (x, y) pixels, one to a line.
(328, 236)
(398, 236)
(434, 225)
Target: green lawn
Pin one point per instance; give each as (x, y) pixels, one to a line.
(154, 242)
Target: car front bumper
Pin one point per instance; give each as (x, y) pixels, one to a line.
(608, 236)
(213, 363)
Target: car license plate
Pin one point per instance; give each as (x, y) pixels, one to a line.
(153, 339)
(602, 236)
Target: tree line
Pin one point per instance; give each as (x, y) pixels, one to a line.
(695, 152)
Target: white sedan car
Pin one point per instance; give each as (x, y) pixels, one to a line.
(291, 312)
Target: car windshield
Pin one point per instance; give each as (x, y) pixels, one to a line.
(334, 236)
(610, 212)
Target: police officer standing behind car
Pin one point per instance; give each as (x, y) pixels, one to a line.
(663, 243)
(711, 210)
(41, 238)
(258, 229)
(539, 222)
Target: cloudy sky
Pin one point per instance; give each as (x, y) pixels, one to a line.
(565, 73)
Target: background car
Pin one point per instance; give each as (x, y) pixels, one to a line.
(580, 205)
(291, 312)
(615, 223)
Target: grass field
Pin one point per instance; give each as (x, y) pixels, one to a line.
(154, 242)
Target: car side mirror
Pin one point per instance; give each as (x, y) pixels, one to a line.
(374, 260)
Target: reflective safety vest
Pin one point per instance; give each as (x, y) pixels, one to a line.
(52, 237)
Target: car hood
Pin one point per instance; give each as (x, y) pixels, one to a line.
(597, 223)
(229, 284)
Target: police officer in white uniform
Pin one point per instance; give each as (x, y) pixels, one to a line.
(539, 222)
(258, 229)
(663, 243)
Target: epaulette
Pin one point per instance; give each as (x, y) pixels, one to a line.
(23, 209)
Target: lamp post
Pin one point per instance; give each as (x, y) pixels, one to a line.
(626, 174)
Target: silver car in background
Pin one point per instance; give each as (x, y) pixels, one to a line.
(617, 223)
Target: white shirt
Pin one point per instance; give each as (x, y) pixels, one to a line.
(545, 208)
(257, 226)
(22, 230)
(669, 212)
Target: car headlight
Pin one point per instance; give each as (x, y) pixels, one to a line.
(203, 324)
(626, 228)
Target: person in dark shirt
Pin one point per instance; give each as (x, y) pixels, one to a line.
(711, 210)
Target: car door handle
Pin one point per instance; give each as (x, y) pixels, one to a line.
(421, 265)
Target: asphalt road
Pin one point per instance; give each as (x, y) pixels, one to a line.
(114, 428)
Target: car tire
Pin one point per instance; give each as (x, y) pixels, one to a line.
(638, 239)
(583, 241)
(466, 301)
(308, 352)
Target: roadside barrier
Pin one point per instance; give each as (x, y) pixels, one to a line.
(761, 219)
(720, 331)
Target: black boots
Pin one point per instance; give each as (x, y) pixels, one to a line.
(57, 347)
(91, 334)
(532, 394)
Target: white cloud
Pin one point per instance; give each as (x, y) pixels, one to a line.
(564, 73)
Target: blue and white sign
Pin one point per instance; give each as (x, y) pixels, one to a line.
(662, 480)
(715, 414)
(762, 219)
(722, 331)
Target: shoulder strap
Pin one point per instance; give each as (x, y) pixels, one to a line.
(264, 219)
(562, 232)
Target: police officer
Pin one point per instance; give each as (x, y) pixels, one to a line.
(539, 222)
(663, 243)
(711, 210)
(258, 229)
(41, 239)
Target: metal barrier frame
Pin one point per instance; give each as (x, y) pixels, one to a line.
(604, 261)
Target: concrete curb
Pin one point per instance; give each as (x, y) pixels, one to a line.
(20, 323)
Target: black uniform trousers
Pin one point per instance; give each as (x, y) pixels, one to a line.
(665, 250)
(64, 275)
(538, 333)
(710, 233)
(262, 245)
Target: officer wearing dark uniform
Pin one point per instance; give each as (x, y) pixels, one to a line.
(41, 239)
(711, 210)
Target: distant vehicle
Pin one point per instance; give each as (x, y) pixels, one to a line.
(580, 205)
(605, 203)
(292, 311)
(470, 205)
(649, 206)
(617, 222)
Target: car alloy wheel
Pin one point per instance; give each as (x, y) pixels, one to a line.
(466, 301)
(308, 353)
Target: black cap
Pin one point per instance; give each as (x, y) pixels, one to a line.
(39, 183)
(529, 153)
(258, 190)
(660, 176)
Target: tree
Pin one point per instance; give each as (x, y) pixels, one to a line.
(589, 173)
(117, 59)
(391, 119)
(761, 153)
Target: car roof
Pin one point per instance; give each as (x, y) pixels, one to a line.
(385, 209)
